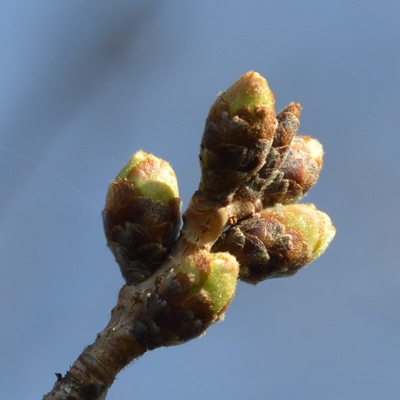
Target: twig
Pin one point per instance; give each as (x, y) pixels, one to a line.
(242, 223)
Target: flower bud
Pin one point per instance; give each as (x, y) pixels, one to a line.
(237, 137)
(142, 215)
(278, 241)
(296, 175)
(192, 296)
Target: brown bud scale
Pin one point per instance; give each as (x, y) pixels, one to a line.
(140, 232)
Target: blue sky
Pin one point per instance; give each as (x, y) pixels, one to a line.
(86, 84)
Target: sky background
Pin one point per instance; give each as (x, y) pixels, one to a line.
(84, 84)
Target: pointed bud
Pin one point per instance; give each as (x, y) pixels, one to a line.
(142, 215)
(288, 123)
(278, 241)
(237, 137)
(192, 296)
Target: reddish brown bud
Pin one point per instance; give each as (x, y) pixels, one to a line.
(300, 169)
(286, 175)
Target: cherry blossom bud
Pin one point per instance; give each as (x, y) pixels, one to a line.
(190, 298)
(278, 241)
(286, 179)
(237, 137)
(142, 215)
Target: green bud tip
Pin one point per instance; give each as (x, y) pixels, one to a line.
(249, 90)
(153, 176)
(315, 225)
(214, 274)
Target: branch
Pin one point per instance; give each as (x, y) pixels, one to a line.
(240, 224)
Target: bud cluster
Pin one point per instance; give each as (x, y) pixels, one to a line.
(241, 223)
